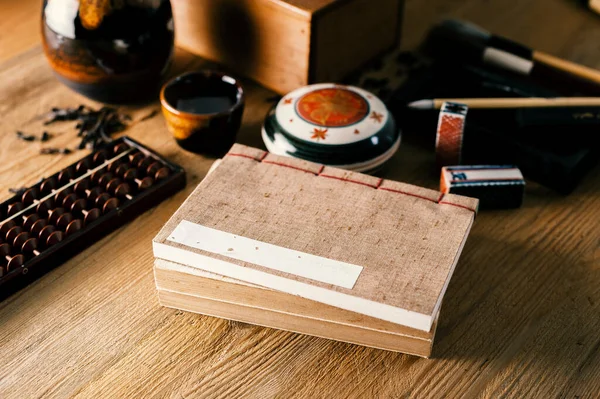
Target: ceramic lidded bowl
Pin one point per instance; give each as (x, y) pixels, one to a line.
(336, 125)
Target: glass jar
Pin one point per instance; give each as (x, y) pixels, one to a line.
(114, 51)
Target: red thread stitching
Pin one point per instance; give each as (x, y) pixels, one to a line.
(458, 205)
(377, 186)
(290, 166)
(351, 181)
(406, 193)
(243, 155)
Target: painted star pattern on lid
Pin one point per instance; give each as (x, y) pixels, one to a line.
(331, 114)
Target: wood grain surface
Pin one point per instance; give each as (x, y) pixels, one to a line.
(19, 26)
(520, 318)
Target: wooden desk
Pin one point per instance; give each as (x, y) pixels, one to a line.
(521, 316)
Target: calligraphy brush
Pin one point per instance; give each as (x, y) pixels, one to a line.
(533, 102)
(460, 40)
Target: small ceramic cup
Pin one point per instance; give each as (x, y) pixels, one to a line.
(203, 110)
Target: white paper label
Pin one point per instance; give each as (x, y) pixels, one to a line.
(267, 255)
(457, 174)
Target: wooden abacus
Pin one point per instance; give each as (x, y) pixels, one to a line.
(59, 216)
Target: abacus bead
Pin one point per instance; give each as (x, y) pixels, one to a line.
(30, 195)
(121, 169)
(83, 166)
(62, 194)
(153, 168)
(54, 238)
(145, 183)
(66, 175)
(97, 175)
(30, 220)
(55, 214)
(4, 250)
(46, 232)
(82, 185)
(29, 245)
(110, 204)
(130, 174)
(92, 215)
(6, 226)
(13, 233)
(112, 185)
(21, 239)
(102, 198)
(44, 206)
(112, 167)
(64, 220)
(15, 208)
(73, 227)
(37, 227)
(69, 200)
(136, 158)
(105, 178)
(162, 173)
(122, 190)
(15, 262)
(144, 163)
(48, 185)
(119, 148)
(79, 205)
(99, 157)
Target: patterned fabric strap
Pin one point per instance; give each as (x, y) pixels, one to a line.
(449, 135)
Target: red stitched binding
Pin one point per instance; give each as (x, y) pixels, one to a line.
(377, 186)
(458, 205)
(407, 193)
(351, 181)
(290, 166)
(243, 155)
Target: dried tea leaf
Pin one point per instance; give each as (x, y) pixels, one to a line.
(17, 191)
(25, 137)
(53, 151)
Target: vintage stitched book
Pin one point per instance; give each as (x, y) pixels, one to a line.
(375, 247)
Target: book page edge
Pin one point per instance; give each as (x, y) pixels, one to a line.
(438, 304)
(367, 307)
(172, 266)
